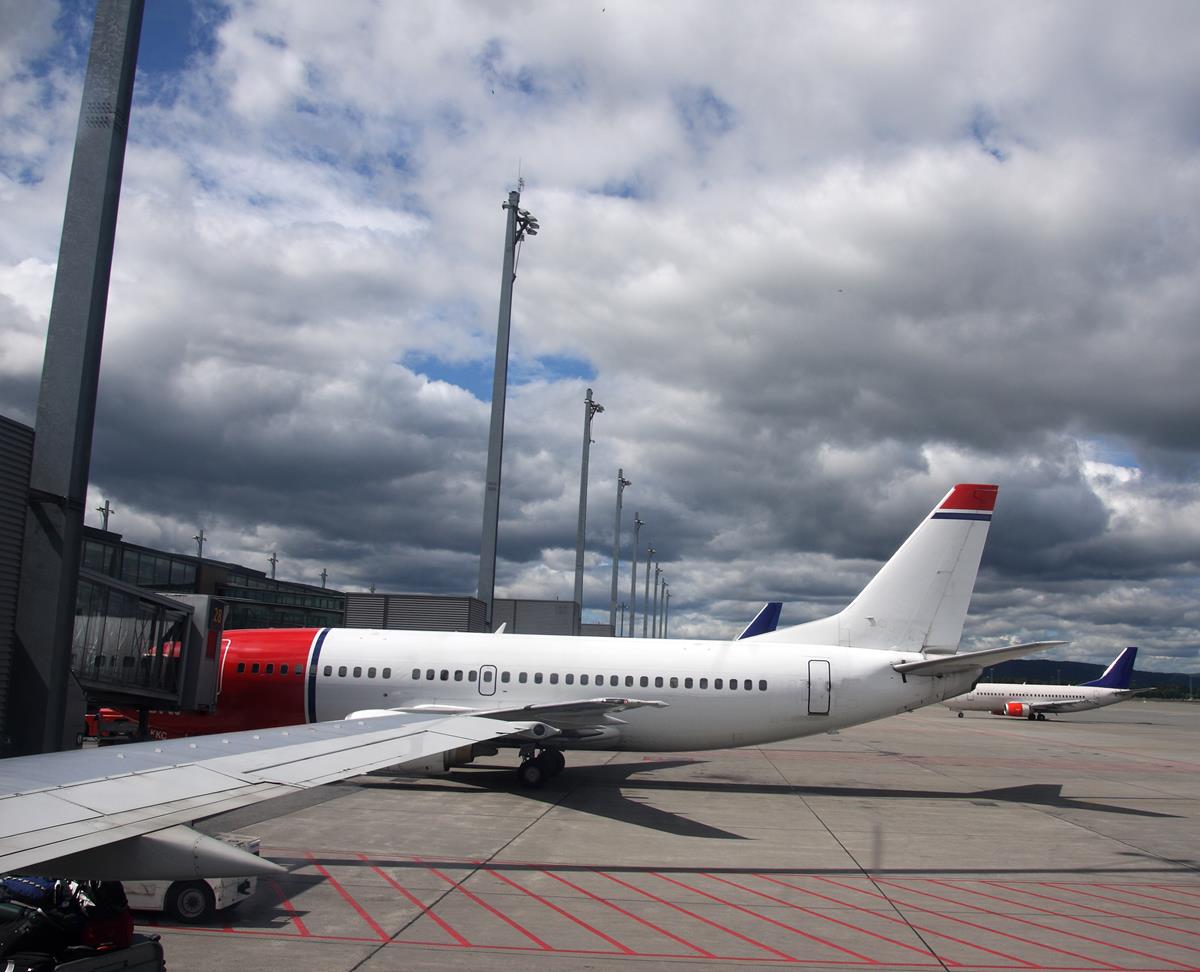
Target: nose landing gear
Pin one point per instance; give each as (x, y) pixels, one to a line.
(535, 769)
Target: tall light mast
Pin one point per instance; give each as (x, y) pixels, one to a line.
(622, 482)
(590, 409)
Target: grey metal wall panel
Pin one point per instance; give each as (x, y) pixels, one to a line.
(365, 610)
(416, 612)
(16, 454)
(598, 630)
(536, 617)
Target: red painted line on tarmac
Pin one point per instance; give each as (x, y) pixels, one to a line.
(287, 906)
(837, 921)
(623, 949)
(1106, 943)
(349, 899)
(772, 921)
(1104, 897)
(1142, 894)
(901, 921)
(1023, 892)
(1173, 887)
(425, 909)
(986, 928)
(637, 918)
(487, 907)
(691, 914)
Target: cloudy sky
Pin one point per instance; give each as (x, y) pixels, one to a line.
(819, 261)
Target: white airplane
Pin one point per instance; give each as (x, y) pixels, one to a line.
(1035, 701)
(431, 701)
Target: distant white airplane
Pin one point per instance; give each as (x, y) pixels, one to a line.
(1035, 701)
(352, 700)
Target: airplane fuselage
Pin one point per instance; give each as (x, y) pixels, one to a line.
(1001, 698)
(718, 694)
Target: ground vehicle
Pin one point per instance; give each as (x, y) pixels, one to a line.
(195, 901)
(109, 726)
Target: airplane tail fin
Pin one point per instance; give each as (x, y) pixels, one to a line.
(1118, 674)
(766, 620)
(918, 600)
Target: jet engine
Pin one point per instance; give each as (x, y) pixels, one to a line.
(1019, 710)
(444, 762)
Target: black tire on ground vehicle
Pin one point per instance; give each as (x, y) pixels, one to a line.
(191, 901)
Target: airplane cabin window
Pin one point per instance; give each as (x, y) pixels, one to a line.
(358, 671)
(629, 681)
(487, 676)
(687, 682)
(733, 684)
(704, 683)
(387, 673)
(445, 675)
(283, 669)
(328, 670)
(523, 677)
(458, 675)
(718, 683)
(762, 684)
(471, 675)
(583, 680)
(429, 674)
(644, 681)
(241, 666)
(416, 674)
(341, 671)
(554, 678)
(658, 683)
(370, 673)
(537, 678)
(270, 669)
(299, 670)
(674, 682)
(614, 680)
(254, 668)
(569, 678)
(504, 677)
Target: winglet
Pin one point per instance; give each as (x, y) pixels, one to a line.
(766, 620)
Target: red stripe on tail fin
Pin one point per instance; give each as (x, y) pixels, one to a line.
(971, 496)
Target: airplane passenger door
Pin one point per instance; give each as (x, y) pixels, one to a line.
(819, 684)
(487, 680)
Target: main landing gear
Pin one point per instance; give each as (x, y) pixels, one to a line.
(535, 769)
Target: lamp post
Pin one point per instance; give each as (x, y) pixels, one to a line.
(200, 538)
(622, 634)
(590, 409)
(650, 552)
(324, 574)
(105, 512)
(638, 523)
(622, 482)
(519, 225)
(666, 614)
(654, 616)
(273, 560)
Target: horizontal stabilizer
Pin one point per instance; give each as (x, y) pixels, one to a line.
(965, 661)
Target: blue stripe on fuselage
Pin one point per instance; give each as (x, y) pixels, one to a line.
(311, 713)
(961, 516)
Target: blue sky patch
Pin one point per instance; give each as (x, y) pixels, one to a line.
(476, 376)
(703, 114)
(983, 128)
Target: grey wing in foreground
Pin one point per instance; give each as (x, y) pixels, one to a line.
(115, 812)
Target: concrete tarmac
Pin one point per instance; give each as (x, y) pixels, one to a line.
(924, 841)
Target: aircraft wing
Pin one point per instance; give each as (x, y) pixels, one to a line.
(967, 660)
(89, 813)
(578, 719)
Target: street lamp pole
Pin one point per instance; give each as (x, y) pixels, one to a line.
(650, 552)
(638, 523)
(654, 617)
(590, 409)
(518, 225)
(666, 614)
(622, 482)
(105, 512)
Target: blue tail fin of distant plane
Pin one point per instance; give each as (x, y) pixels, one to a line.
(766, 620)
(1118, 674)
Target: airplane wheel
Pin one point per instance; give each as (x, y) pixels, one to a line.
(1032, 716)
(531, 773)
(191, 901)
(960, 715)
(1041, 717)
(553, 761)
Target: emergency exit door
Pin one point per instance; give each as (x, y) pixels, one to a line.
(819, 684)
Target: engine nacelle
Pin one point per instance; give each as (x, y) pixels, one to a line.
(1019, 710)
(444, 762)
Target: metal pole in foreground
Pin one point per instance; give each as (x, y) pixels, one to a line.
(666, 614)
(650, 552)
(638, 523)
(513, 234)
(66, 411)
(622, 634)
(105, 512)
(622, 482)
(590, 408)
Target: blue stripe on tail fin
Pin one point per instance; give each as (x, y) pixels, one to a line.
(766, 620)
(1118, 674)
